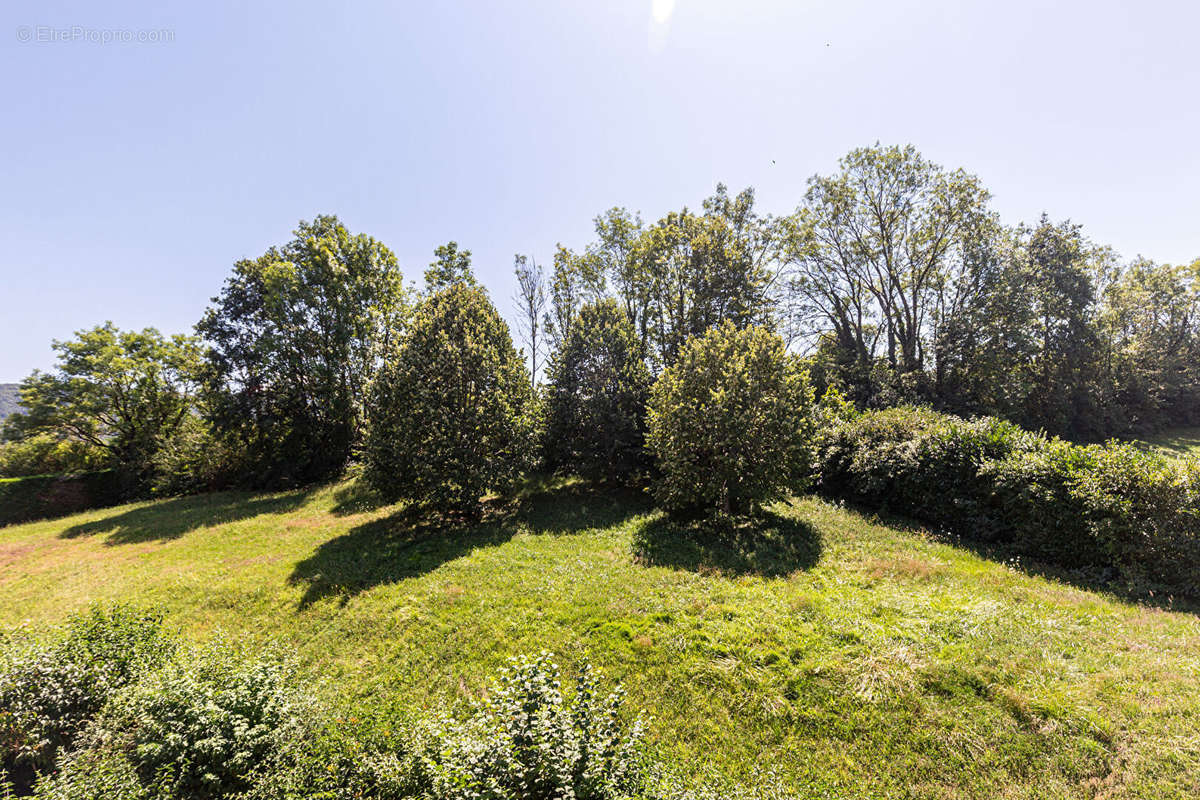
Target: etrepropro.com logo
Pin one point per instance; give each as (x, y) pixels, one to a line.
(51, 34)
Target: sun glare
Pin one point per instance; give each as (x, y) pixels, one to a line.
(661, 10)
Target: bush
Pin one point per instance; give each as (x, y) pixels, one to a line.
(1111, 508)
(51, 690)
(42, 496)
(205, 726)
(451, 415)
(46, 454)
(597, 387)
(195, 459)
(731, 422)
(139, 719)
(529, 742)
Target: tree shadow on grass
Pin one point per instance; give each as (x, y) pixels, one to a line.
(769, 545)
(414, 541)
(356, 497)
(171, 519)
(1101, 580)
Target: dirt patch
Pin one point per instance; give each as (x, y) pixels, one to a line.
(906, 567)
(12, 553)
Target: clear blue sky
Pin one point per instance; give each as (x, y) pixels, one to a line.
(134, 174)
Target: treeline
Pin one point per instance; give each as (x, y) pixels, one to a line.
(893, 280)
(916, 293)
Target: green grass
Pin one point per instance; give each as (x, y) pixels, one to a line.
(1176, 442)
(854, 658)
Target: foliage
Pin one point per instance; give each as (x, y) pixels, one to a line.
(676, 278)
(451, 414)
(909, 289)
(120, 391)
(204, 726)
(450, 266)
(529, 742)
(41, 496)
(50, 691)
(295, 338)
(811, 661)
(874, 251)
(1109, 507)
(195, 458)
(47, 454)
(596, 396)
(731, 422)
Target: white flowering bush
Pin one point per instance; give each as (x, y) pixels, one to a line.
(531, 742)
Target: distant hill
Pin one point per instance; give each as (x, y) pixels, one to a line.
(10, 399)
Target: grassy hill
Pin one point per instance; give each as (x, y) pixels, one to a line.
(855, 658)
(1176, 442)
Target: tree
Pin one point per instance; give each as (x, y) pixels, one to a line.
(1149, 323)
(731, 422)
(596, 396)
(121, 391)
(451, 412)
(875, 247)
(450, 266)
(574, 280)
(703, 269)
(1061, 374)
(531, 305)
(676, 278)
(295, 337)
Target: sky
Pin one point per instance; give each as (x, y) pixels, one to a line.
(147, 147)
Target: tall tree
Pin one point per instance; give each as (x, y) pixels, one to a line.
(449, 266)
(124, 392)
(574, 280)
(596, 396)
(451, 411)
(1062, 295)
(296, 336)
(873, 245)
(531, 306)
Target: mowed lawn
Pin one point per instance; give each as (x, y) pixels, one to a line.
(1176, 442)
(851, 658)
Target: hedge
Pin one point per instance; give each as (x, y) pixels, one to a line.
(42, 496)
(1110, 508)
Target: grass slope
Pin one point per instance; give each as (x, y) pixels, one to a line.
(853, 658)
(1176, 442)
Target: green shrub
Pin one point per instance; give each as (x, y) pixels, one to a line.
(596, 392)
(1105, 508)
(530, 742)
(195, 459)
(204, 726)
(731, 422)
(93, 774)
(46, 454)
(51, 690)
(42, 496)
(451, 415)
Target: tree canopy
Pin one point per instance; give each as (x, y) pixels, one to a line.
(124, 392)
(596, 395)
(295, 337)
(451, 415)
